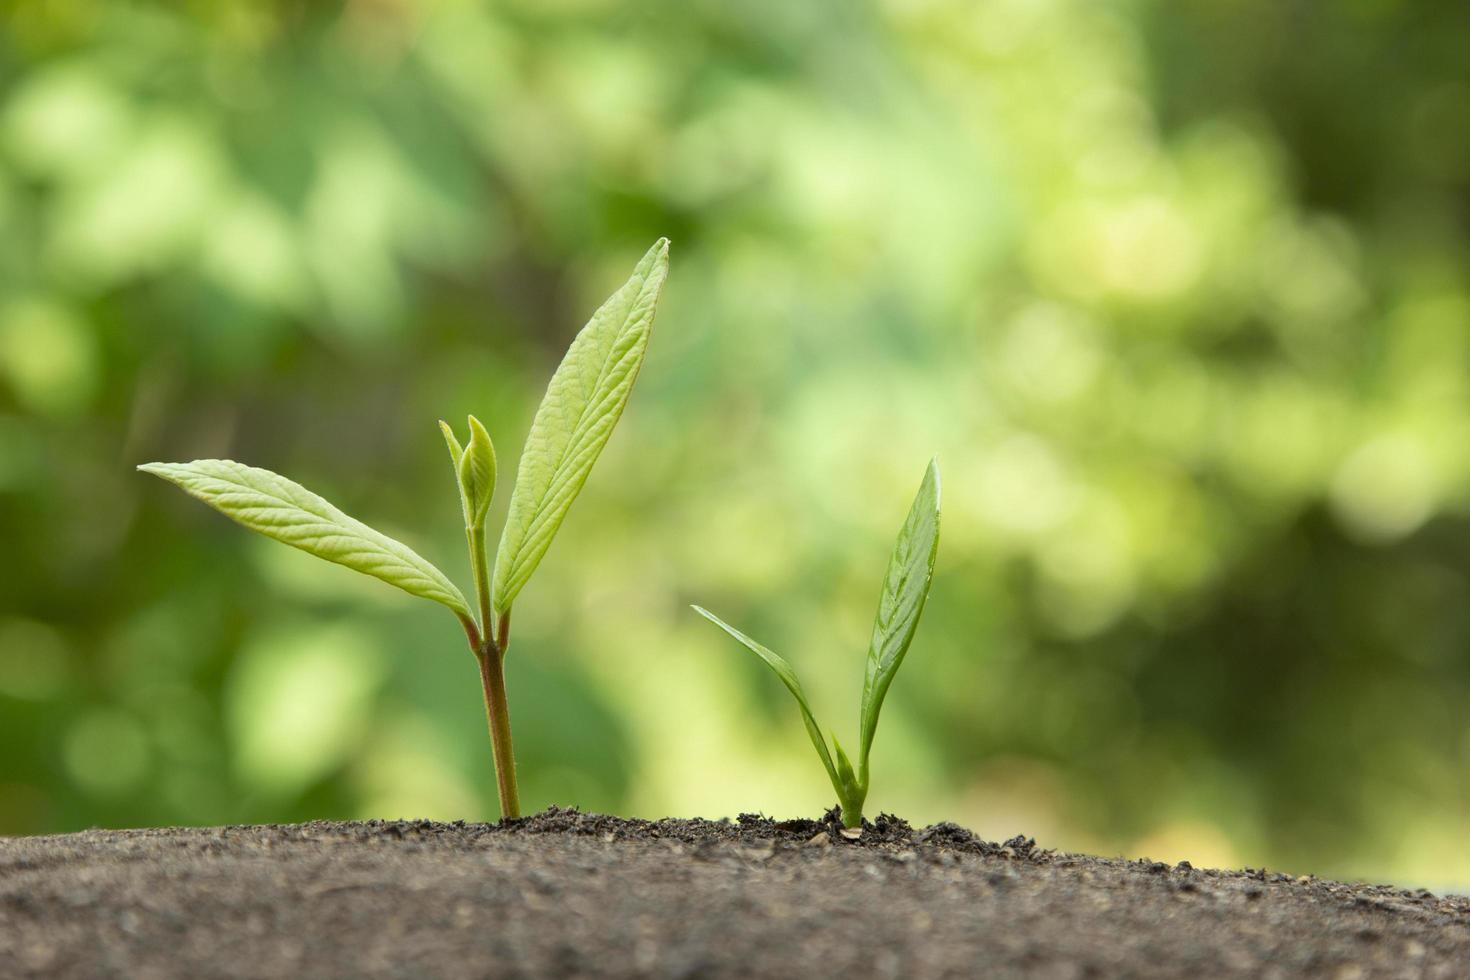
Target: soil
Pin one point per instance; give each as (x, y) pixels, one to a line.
(569, 894)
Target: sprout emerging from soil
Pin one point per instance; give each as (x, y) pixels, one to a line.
(905, 590)
(582, 404)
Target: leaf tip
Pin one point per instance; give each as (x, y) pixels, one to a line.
(712, 618)
(656, 258)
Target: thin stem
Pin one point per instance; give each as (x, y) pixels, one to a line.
(471, 633)
(476, 536)
(492, 679)
(489, 651)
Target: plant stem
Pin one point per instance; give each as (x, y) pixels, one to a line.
(476, 535)
(471, 633)
(497, 712)
(490, 653)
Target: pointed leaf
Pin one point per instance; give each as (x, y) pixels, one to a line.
(456, 455)
(582, 404)
(456, 451)
(788, 677)
(905, 589)
(477, 474)
(278, 508)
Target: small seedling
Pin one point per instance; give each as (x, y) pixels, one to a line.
(582, 404)
(905, 589)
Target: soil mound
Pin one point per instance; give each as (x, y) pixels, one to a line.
(568, 894)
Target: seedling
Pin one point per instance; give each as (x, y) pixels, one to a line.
(905, 589)
(586, 397)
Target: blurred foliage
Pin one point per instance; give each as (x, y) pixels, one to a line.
(1179, 293)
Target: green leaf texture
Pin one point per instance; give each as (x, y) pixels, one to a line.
(905, 590)
(278, 508)
(582, 404)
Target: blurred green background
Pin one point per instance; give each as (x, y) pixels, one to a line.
(1179, 293)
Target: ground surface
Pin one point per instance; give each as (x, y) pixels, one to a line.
(568, 894)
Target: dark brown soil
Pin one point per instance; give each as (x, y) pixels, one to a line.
(571, 894)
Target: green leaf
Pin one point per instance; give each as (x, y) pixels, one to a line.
(477, 474)
(850, 788)
(582, 404)
(905, 589)
(280, 509)
(851, 792)
(788, 677)
(456, 451)
(456, 454)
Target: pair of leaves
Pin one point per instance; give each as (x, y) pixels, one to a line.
(900, 604)
(474, 465)
(582, 404)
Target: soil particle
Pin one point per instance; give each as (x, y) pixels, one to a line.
(565, 893)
